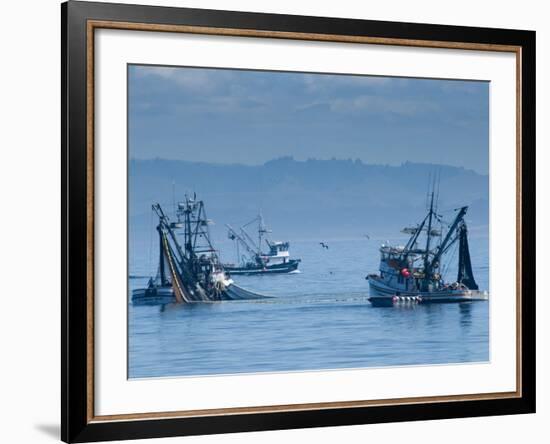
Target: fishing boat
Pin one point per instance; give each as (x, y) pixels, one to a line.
(154, 294)
(190, 273)
(253, 260)
(413, 274)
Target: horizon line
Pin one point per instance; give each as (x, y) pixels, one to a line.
(311, 159)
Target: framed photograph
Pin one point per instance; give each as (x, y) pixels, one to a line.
(275, 221)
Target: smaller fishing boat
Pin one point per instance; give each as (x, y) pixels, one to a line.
(253, 260)
(154, 294)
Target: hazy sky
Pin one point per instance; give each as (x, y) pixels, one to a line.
(250, 117)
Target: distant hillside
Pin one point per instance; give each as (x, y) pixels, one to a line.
(313, 198)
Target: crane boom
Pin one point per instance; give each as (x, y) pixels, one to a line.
(437, 256)
(239, 238)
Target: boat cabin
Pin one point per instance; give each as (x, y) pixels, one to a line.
(398, 270)
(279, 249)
(278, 252)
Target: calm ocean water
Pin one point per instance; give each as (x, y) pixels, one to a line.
(317, 319)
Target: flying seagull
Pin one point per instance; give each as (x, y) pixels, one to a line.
(367, 236)
(323, 245)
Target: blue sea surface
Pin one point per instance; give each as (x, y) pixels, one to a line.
(317, 319)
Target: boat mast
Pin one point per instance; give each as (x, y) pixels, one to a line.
(247, 236)
(261, 230)
(414, 237)
(187, 232)
(197, 234)
(164, 225)
(427, 264)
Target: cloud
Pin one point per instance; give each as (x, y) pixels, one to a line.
(222, 91)
(189, 79)
(383, 104)
(372, 103)
(315, 83)
(463, 86)
(199, 90)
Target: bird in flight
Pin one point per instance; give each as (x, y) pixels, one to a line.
(323, 245)
(367, 236)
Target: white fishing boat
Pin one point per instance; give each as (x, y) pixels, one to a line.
(410, 274)
(251, 255)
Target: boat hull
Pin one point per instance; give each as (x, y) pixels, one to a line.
(287, 267)
(384, 295)
(153, 296)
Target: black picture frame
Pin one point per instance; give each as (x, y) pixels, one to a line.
(76, 328)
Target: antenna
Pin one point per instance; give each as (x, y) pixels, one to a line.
(437, 205)
(260, 229)
(174, 196)
(428, 190)
(438, 186)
